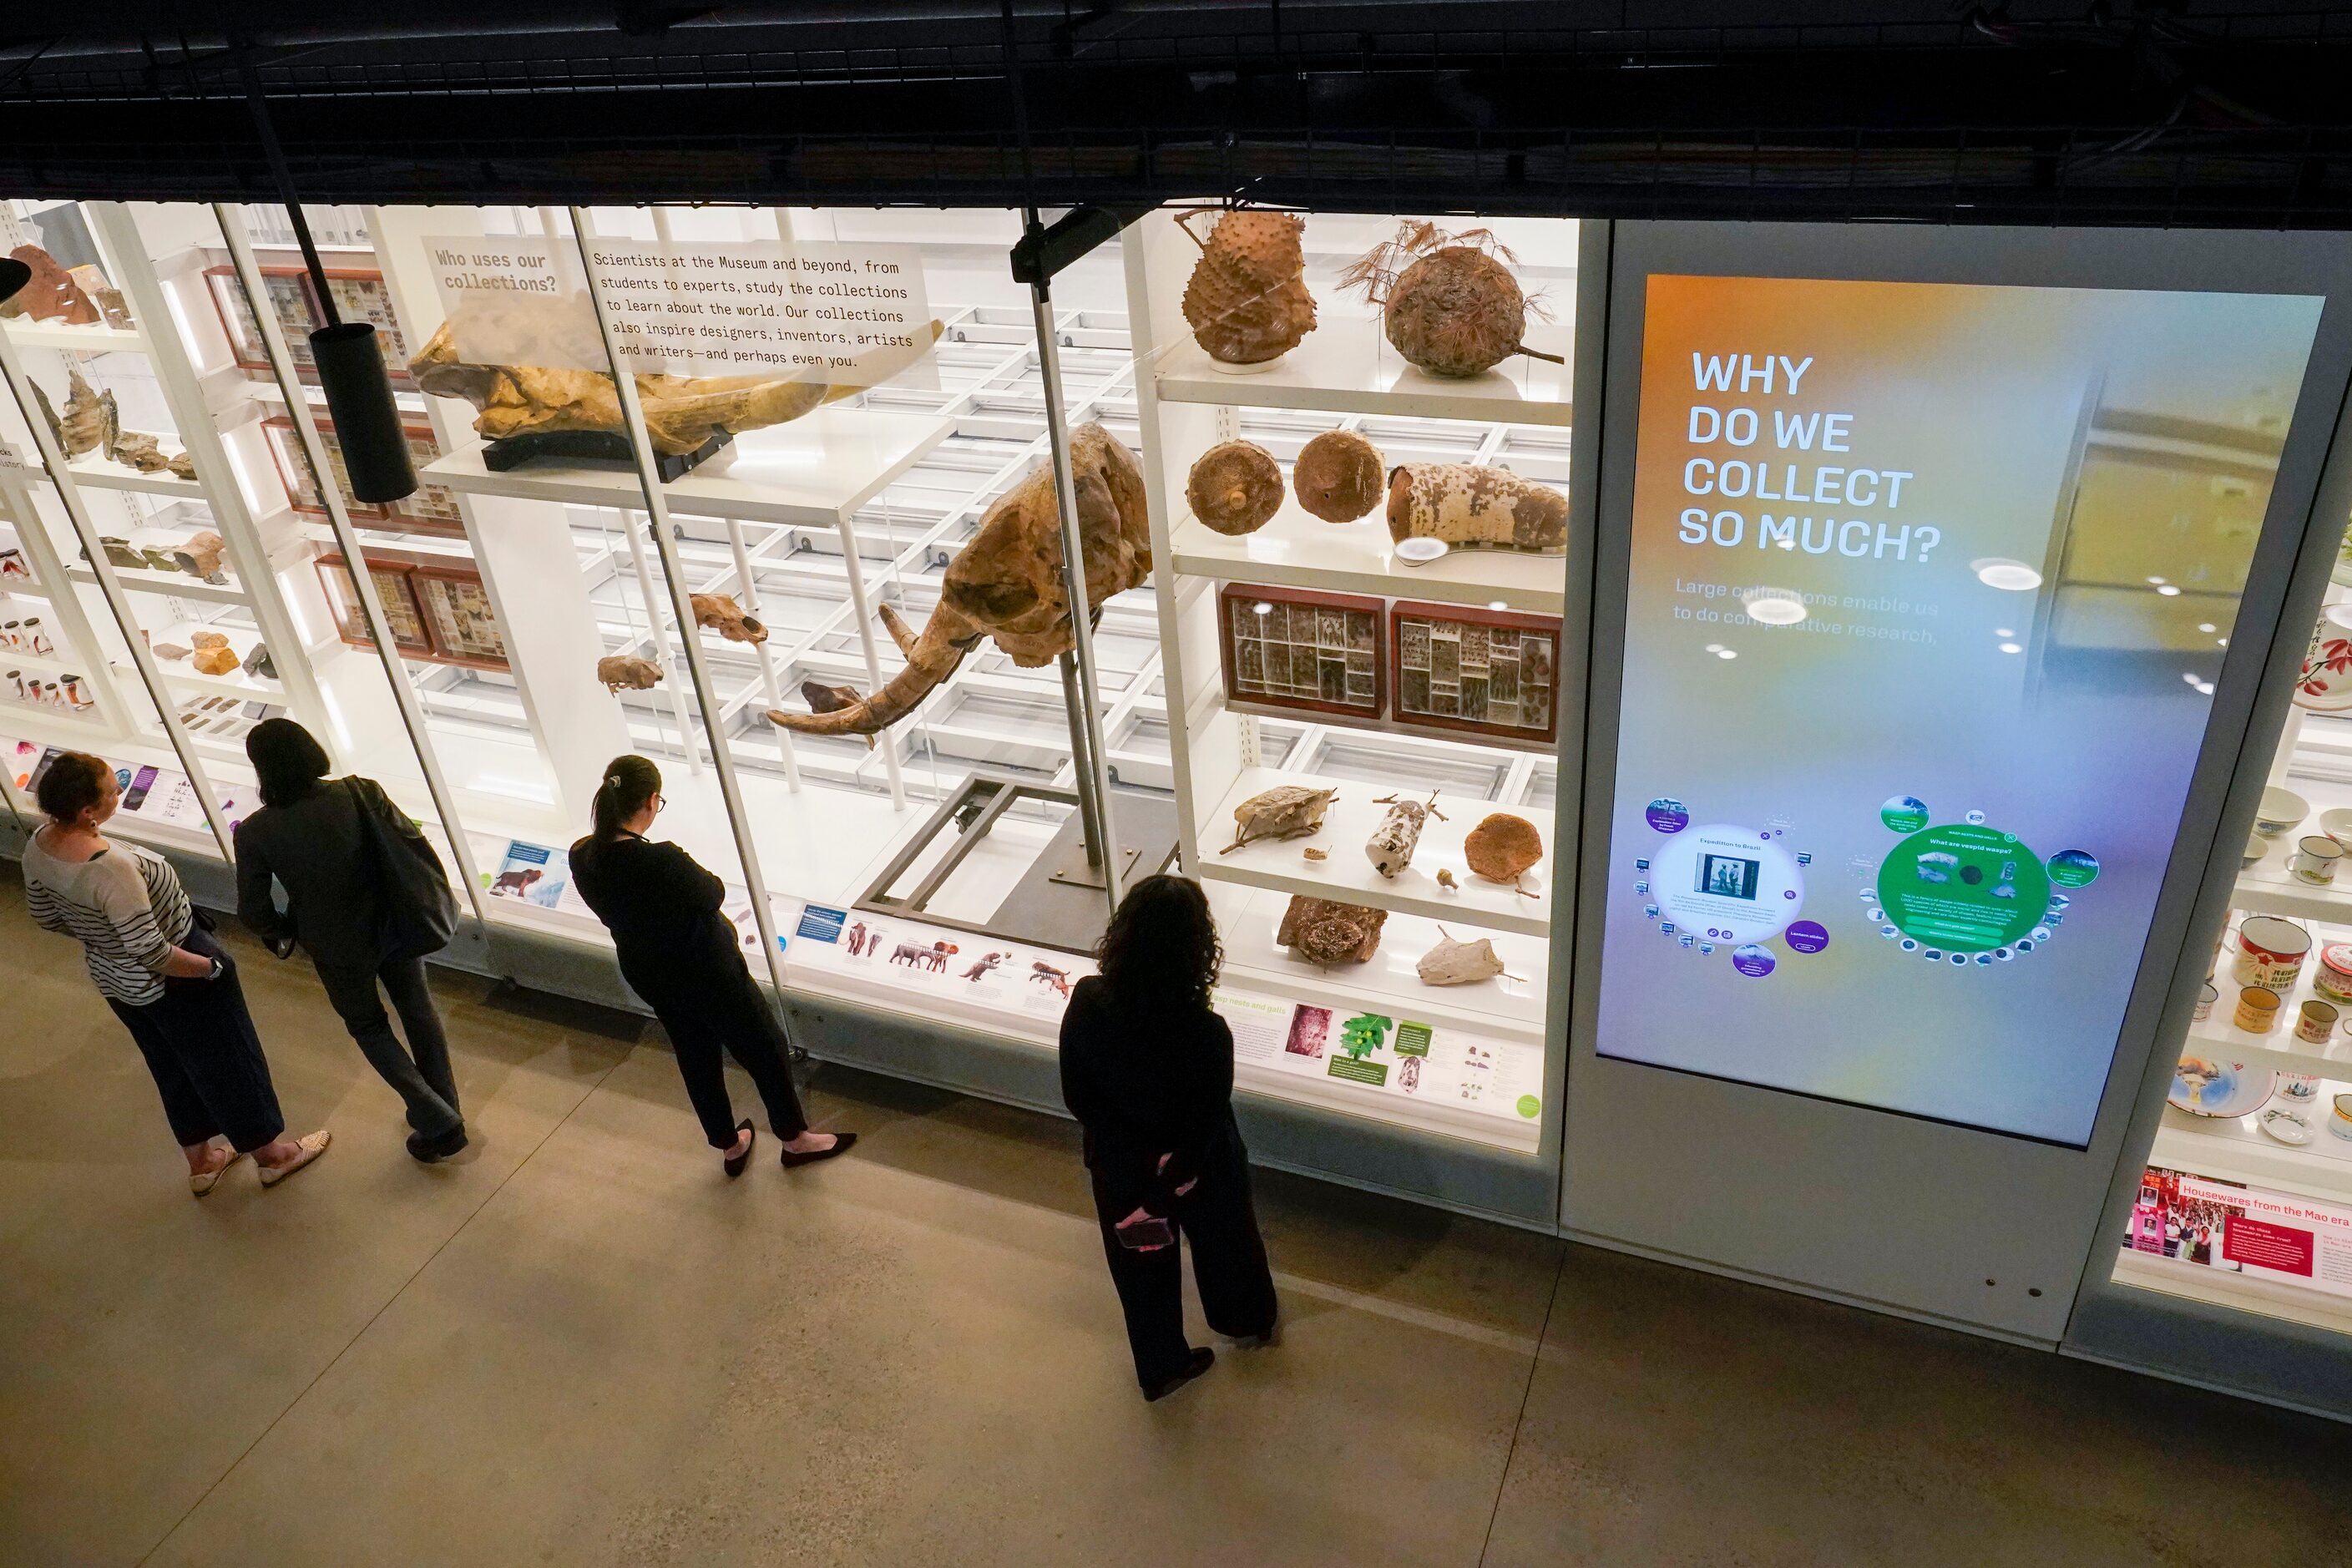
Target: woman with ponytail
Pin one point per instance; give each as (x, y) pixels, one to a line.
(679, 952)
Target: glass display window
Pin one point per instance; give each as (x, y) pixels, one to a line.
(1360, 537)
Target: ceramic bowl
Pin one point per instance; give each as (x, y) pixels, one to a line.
(2256, 848)
(2336, 823)
(2281, 809)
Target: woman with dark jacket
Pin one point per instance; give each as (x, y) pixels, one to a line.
(309, 837)
(1148, 1070)
(679, 952)
(174, 986)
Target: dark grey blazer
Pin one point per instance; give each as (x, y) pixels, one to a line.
(314, 848)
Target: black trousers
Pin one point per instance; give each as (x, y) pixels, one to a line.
(1218, 1219)
(726, 1010)
(419, 1071)
(205, 1057)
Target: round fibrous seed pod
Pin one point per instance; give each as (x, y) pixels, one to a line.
(1234, 488)
(1455, 312)
(1340, 476)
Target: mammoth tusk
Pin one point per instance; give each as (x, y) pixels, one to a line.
(901, 632)
(930, 659)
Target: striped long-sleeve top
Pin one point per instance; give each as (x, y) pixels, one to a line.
(124, 905)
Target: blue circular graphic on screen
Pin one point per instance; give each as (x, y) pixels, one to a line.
(1667, 815)
(1752, 961)
(2072, 869)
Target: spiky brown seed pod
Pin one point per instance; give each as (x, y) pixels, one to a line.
(1246, 300)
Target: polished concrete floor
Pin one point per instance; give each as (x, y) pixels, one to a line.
(578, 1346)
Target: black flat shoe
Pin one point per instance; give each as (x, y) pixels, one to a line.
(1203, 1360)
(841, 1144)
(735, 1162)
(427, 1150)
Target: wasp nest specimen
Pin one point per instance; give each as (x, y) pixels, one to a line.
(1338, 476)
(721, 613)
(1391, 845)
(1005, 584)
(621, 672)
(1448, 302)
(1246, 301)
(1473, 507)
(1327, 931)
(1502, 847)
(1456, 962)
(682, 413)
(1234, 488)
(1286, 811)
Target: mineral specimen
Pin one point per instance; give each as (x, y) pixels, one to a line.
(207, 641)
(199, 555)
(215, 660)
(258, 663)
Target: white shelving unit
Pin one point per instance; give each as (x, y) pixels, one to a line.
(1344, 377)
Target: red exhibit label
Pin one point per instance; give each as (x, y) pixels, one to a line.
(2267, 1246)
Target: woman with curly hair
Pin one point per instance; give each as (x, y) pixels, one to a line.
(1148, 1070)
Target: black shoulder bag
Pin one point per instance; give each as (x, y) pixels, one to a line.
(420, 912)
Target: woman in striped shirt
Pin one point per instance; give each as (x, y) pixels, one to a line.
(173, 985)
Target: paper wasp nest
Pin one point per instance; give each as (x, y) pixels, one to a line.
(1324, 931)
(1235, 487)
(1286, 811)
(1246, 301)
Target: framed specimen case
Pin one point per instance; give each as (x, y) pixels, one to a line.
(1494, 673)
(394, 586)
(432, 508)
(458, 612)
(360, 295)
(1294, 648)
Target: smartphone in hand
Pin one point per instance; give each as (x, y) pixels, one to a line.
(1144, 1235)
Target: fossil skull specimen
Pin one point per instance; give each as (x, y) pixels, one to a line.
(621, 672)
(1005, 584)
(681, 412)
(720, 612)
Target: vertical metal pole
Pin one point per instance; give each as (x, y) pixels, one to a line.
(338, 519)
(864, 609)
(150, 675)
(1085, 734)
(722, 757)
(661, 637)
(748, 587)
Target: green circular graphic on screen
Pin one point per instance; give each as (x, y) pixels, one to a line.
(1964, 888)
(1903, 813)
(2073, 868)
(1530, 1107)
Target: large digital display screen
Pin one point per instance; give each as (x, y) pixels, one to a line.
(1928, 587)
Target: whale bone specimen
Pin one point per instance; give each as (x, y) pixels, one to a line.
(1005, 584)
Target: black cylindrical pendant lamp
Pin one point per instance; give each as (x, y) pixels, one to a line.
(13, 275)
(367, 420)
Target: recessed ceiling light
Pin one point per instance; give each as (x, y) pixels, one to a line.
(2012, 577)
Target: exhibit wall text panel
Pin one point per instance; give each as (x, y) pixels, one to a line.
(1929, 586)
(1911, 728)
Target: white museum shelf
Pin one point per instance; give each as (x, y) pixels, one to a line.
(99, 473)
(177, 585)
(1247, 918)
(1348, 876)
(817, 469)
(2237, 1291)
(23, 587)
(95, 338)
(179, 673)
(1346, 366)
(46, 663)
(1296, 548)
(2233, 1149)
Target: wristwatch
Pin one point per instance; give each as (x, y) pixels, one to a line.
(219, 969)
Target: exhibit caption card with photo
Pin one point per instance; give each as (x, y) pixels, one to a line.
(1929, 586)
